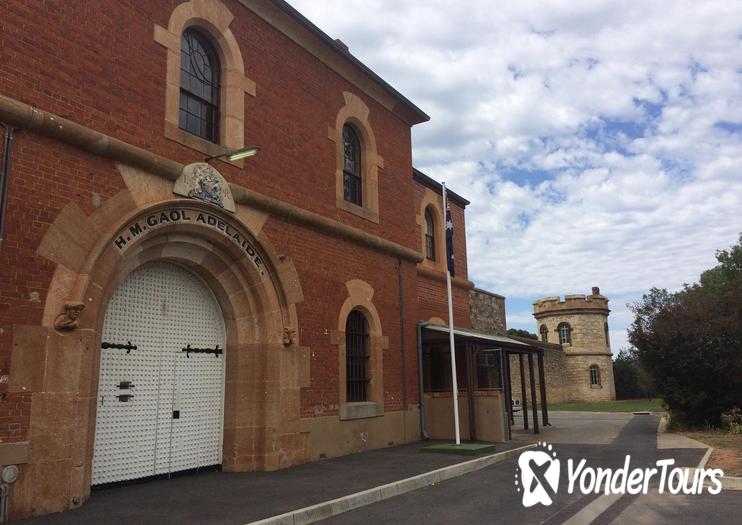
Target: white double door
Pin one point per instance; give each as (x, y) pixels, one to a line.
(160, 409)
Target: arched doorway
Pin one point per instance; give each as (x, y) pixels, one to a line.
(161, 384)
(257, 289)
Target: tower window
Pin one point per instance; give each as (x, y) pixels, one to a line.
(607, 337)
(594, 375)
(565, 333)
(199, 86)
(544, 333)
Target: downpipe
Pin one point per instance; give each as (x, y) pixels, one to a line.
(4, 175)
(402, 356)
(4, 502)
(420, 327)
(8, 476)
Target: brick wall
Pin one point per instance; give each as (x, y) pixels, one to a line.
(102, 68)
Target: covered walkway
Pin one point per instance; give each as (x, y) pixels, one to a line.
(483, 364)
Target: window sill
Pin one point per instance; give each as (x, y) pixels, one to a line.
(433, 265)
(596, 386)
(208, 149)
(360, 211)
(361, 410)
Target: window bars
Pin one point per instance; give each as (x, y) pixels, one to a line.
(356, 357)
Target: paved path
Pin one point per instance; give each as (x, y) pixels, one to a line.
(238, 498)
(489, 495)
(485, 496)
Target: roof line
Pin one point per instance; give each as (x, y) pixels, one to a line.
(465, 332)
(425, 179)
(327, 39)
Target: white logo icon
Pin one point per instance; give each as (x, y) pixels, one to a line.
(539, 475)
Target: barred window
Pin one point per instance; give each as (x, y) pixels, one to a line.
(594, 375)
(544, 333)
(565, 333)
(199, 86)
(429, 235)
(356, 356)
(352, 183)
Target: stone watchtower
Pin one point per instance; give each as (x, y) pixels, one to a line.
(580, 324)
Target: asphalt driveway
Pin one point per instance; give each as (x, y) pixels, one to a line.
(603, 439)
(486, 496)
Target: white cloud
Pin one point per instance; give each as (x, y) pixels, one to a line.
(586, 135)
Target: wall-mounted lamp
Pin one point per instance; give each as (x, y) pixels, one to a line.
(242, 153)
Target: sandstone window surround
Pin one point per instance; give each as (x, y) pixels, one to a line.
(431, 210)
(360, 299)
(544, 333)
(355, 113)
(212, 19)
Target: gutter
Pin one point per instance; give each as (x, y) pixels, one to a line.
(438, 187)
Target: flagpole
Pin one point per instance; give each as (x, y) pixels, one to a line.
(450, 329)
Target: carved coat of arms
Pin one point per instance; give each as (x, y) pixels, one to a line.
(201, 181)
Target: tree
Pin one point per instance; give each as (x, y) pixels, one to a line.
(630, 378)
(691, 341)
(517, 332)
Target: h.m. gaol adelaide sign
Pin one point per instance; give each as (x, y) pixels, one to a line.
(185, 215)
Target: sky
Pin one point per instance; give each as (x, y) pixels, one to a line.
(600, 143)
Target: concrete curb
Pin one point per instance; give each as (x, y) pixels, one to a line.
(727, 482)
(731, 483)
(337, 506)
(662, 427)
(705, 458)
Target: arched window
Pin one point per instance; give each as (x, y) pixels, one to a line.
(356, 357)
(565, 333)
(607, 337)
(429, 235)
(199, 86)
(352, 183)
(594, 375)
(544, 333)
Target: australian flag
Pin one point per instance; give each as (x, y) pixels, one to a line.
(449, 240)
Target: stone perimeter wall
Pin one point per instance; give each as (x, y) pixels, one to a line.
(487, 312)
(555, 372)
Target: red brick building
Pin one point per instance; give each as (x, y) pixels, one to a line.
(159, 312)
